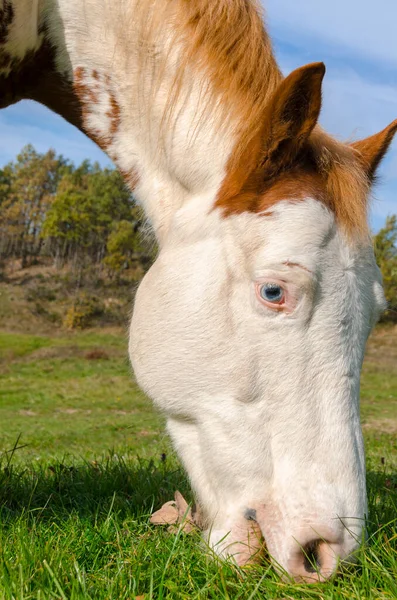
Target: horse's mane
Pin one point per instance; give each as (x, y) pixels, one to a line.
(227, 41)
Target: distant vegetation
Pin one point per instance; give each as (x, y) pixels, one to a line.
(78, 216)
(72, 238)
(82, 226)
(385, 243)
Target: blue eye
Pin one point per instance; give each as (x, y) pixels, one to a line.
(271, 292)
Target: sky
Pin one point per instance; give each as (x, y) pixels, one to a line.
(357, 41)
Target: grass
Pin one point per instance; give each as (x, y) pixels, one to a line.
(75, 499)
(73, 394)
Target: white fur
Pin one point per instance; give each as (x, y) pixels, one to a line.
(171, 165)
(262, 406)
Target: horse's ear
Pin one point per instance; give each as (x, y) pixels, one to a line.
(291, 115)
(372, 149)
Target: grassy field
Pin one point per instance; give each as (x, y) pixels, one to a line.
(84, 460)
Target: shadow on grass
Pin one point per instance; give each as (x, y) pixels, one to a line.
(134, 487)
(130, 487)
(382, 502)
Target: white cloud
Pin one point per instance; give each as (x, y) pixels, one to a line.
(367, 30)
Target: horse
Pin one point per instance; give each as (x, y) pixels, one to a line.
(249, 330)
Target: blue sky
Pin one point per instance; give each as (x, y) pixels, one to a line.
(355, 38)
(357, 41)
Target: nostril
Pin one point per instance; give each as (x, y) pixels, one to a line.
(316, 560)
(311, 556)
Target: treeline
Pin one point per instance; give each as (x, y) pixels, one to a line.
(385, 244)
(80, 215)
(85, 217)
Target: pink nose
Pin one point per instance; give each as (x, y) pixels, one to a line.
(306, 550)
(314, 560)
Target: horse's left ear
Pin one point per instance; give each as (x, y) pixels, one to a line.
(372, 149)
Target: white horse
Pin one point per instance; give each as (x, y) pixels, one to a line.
(249, 330)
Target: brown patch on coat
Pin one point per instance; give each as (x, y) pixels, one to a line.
(88, 96)
(6, 18)
(88, 87)
(372, 149)
(35, 77)
(225, 45)
(295, 185)
(114, 114)
(131, 177)
(332, 176)
(292, 159)
(226, 42)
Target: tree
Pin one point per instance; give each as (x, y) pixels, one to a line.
(89, 204)
(123, 246)
(81, 215)
(27, 188)
(386, 257)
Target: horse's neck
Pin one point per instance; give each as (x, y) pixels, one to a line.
(174, 92)
(153, 125)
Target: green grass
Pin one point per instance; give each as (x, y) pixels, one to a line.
(65, 403)
(75, 499)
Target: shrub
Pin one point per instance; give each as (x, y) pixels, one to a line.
(83, 311)
(386, 257)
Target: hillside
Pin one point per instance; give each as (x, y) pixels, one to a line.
(43, 299)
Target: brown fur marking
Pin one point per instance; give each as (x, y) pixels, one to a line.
(89, 96)
(88, 93)
(372, 149)
(332, 175)
(6, 18)
(294, 186)
(85, 92)
(35, 77)
(114, 114)
(227, 41)
(131, 177)
(292, 159)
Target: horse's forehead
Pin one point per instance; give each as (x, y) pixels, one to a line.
(294, 186)
(288, 231)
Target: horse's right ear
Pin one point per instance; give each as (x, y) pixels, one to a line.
(291, 115)
(372, 149)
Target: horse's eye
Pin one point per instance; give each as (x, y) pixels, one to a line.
(271, 292)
